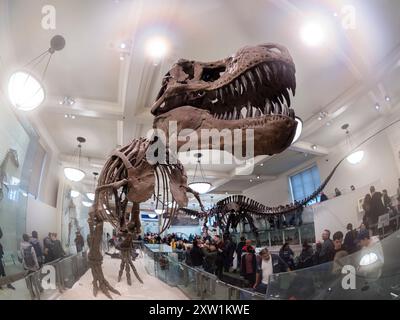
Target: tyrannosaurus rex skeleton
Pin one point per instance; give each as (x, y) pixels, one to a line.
(248, 90)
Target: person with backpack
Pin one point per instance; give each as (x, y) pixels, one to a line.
(38, 248)
(28, 255)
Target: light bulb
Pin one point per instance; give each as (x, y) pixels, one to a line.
(25, 91)
(87, 204)
(313, 33)
(355, 157)
(75, 194)
(157, 47)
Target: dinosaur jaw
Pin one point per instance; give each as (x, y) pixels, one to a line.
(265, 135)
(250, 90)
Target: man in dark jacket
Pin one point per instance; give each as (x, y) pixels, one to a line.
(377, 208)
(267, 264)
(349, 242)
(327, 252)
(228, 251)
(239, 248)
(306, 256)
(38, 248)
(58, 249)
(196, 255)
(210, 258)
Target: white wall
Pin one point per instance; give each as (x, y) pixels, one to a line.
(41, 217)
(50, 179)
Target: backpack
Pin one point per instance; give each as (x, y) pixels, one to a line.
(28, 257)
(37, 248)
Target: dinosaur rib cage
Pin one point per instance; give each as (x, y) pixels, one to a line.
(112, 204)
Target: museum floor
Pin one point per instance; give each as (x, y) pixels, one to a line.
(151, 289)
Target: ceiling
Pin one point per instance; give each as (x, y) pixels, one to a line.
(344, 78)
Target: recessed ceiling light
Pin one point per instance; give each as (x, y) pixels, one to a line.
(258, 177)
(157, 47)
(251, 180)
(122, 57)
(314, 147)
(387, 98)
(122, 45)
(313, 33)
(328, 124)
(72, 117)
(66, 116)
(262, 165)
(377, 106)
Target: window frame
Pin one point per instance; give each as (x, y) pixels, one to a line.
(301, 171)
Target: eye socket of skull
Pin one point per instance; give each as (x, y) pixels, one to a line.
(212, 74)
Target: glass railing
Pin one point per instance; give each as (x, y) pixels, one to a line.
(196, 283)
(295, 235)
(48, 282)
(371, 273)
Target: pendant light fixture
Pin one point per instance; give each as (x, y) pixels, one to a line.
(75, 193)
(90, 195)
(200, 185)
(356, 156)
(25, 91)
(76, 174)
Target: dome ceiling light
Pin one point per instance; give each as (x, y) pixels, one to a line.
(354, 157)
(75, 194)
(157, 48)
(313, 33)
(200, 185)
(25, 91)
(72, 173)
(91, 195)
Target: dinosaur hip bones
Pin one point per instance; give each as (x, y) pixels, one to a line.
(248, 90)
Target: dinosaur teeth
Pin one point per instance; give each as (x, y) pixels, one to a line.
(259, 75)
(252, 80)
(287, 97)
(244, 81)
(234, 115)
(268, 72)
(249, 111)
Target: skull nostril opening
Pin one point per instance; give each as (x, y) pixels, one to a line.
(212, 74)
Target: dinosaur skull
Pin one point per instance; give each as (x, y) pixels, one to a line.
(249, 90)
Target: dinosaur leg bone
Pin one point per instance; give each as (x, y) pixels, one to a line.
(95, 257)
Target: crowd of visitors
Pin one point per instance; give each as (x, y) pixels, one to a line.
(33, 255)
(221, 255)
(376, 204)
